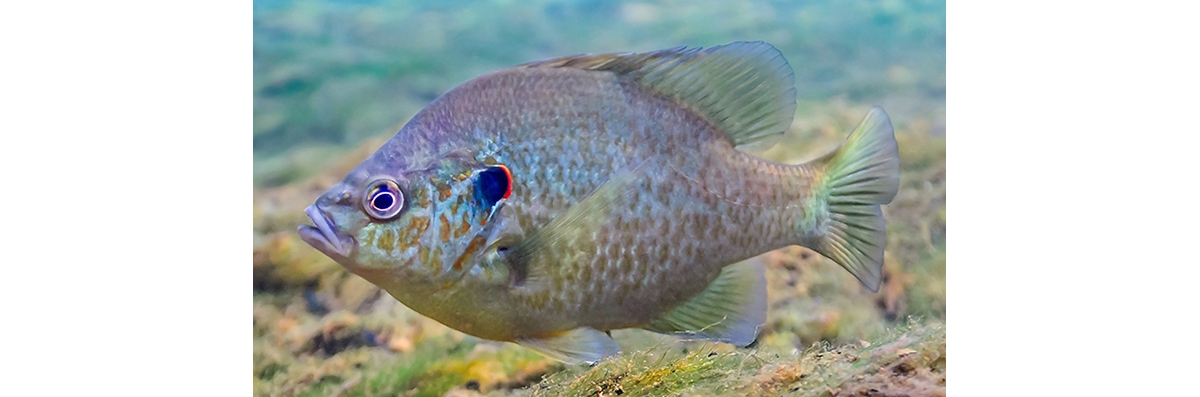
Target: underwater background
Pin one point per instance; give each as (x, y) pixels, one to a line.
(334, 79)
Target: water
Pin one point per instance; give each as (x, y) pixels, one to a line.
(329, 74)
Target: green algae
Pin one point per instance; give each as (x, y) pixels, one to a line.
(899, 355)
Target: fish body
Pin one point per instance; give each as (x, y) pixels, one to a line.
(548, 203)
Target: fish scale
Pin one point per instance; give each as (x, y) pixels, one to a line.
(627, 201)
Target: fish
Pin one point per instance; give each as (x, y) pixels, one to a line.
(549, 203)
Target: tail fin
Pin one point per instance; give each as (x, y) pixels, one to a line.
(861, 175)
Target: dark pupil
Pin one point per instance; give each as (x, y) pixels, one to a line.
(382, 201)
(493, 183)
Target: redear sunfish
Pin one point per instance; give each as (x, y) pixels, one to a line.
(551, 202)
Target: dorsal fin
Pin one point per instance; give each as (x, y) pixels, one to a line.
(744, 88)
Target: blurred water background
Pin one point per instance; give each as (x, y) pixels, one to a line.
(334, 79)
(328, 74)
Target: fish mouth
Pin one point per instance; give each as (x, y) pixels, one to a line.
(323, 235)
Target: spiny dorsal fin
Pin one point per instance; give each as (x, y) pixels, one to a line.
(618, 62)
(745, 88)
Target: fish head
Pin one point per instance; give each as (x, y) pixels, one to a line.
(406, 227)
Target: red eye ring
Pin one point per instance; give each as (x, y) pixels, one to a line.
(507, 173)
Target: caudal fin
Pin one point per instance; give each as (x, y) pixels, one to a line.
(859, 176)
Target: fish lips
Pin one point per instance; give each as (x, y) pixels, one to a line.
(323, 236)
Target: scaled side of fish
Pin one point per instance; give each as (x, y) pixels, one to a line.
(631, 201)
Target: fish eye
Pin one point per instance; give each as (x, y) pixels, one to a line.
(383, 199)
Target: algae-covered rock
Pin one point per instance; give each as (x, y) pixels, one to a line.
(907, 360)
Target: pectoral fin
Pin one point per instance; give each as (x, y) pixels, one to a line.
(577, 223)
(731, 309)
(577, 346)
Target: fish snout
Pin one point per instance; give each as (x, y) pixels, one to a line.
(323, 234)
(339, 195)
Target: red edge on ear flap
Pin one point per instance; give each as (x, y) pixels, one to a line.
(508, 174)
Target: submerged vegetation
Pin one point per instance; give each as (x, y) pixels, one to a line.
(334, 80)
(907, 360)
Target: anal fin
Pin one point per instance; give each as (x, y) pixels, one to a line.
(577, 346)
(731, 309)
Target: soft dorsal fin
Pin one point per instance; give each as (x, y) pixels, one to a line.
(744, 88)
